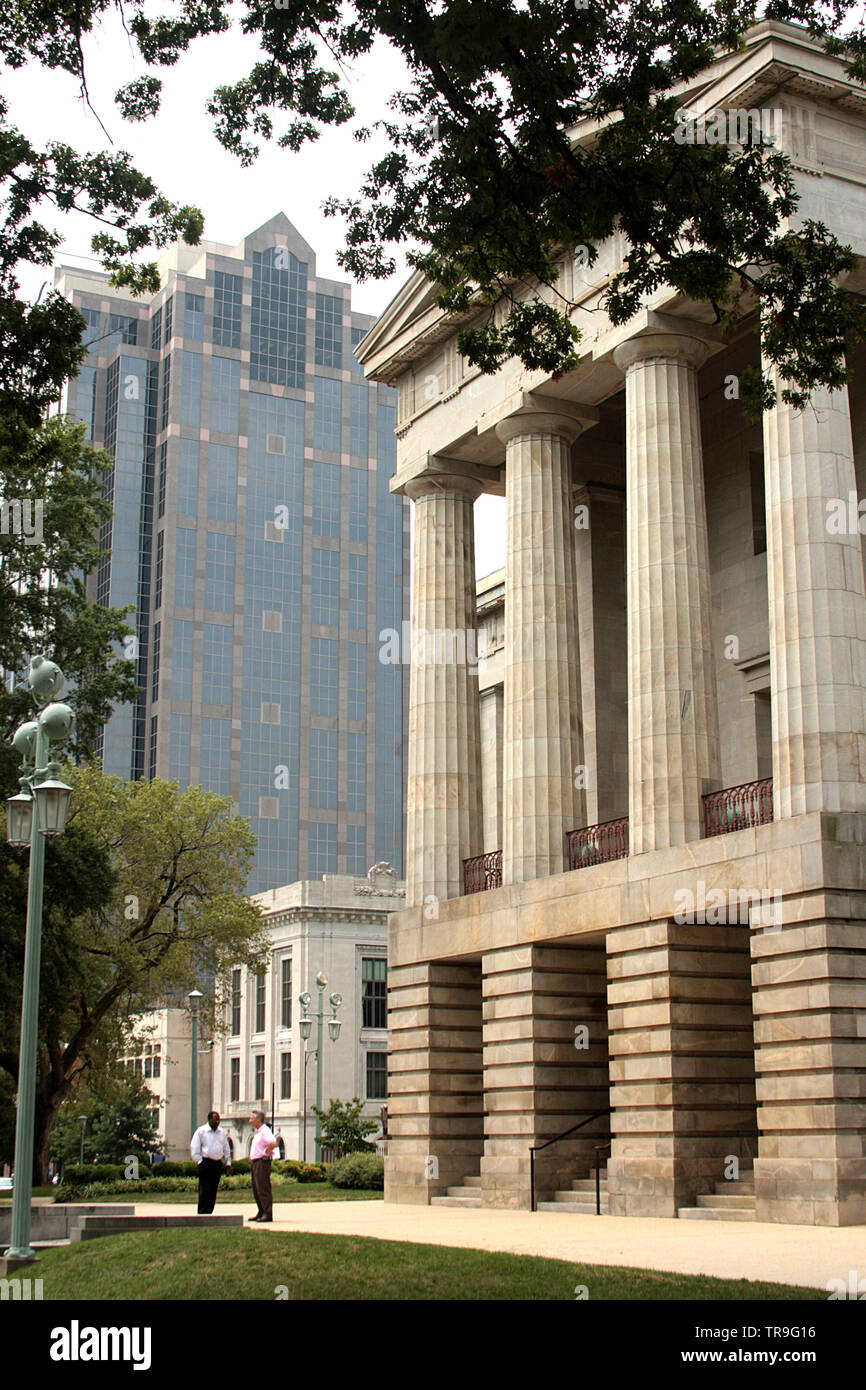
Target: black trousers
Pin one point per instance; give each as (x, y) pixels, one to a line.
(261, 1173)
(210, 1170)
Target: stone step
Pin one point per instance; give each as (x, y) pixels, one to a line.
(716, 1214)
(468, 1190)
(580, 1198)
(588, 1184)
(93, 1227)
(473, 1181)
(727, 1201)
(577, 1207)
(745, 1186)
(455, 1201)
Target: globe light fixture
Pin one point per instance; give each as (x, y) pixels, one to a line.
(306, 1027)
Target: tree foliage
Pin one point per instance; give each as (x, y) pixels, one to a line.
(118, 1107)
(57, 480)
(484, 178)
(157, 877)
(344, 1127)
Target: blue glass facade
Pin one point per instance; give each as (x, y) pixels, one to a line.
(255, 532)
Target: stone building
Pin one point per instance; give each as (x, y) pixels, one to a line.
(635, 869)
(159, 1049)
(337, 925)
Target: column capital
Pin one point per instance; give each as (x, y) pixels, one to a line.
(531, 412)
(442, 484)
(433, 474)
(664, 336)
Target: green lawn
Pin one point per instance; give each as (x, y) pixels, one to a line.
(37, 1192)
(253, 1265)
(289, 1192)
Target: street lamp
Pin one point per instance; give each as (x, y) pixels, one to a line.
(49, 799)
(82, 1120)
(306, 1027)
(194, 996)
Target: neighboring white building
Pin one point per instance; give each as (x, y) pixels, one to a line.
(337, 925)
(159, 1049)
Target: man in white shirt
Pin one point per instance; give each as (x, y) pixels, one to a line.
(262, 1147)
(209, 1147)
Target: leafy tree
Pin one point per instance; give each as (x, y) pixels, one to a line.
(55, 479)
(118, 1105)
(484, 179)
(7, 1120)
(344, 1128)
(158, 876)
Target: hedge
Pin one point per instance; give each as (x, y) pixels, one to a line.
(359, 1170)
(77, 1174)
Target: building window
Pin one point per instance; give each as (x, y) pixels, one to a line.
(181, 678)
(357, 592)
(228, 294)
(321, 849)
(216, 664)
(356, 771)
(184, 567)
(326, 499)
(236, 1003)
(157, 586)
(325, 587)
(261, 995)
(187, 478)
(193, 315)
(214, 755)
(154, 689)
(374, 1000)
(121, 329)
(225, 382)
(324, 676)
(377, 1075)
(356, 849)
(327, 411)
(286, 993)
(329, 331)
(322, 789)
(357, 683)
(219, 571)
(234, 1078)
(190, 389)
(178, 765)
(285, 1076)
(278, 318)
(259, 1087)
(358, 505)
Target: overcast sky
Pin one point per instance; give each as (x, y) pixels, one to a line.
(179, 151)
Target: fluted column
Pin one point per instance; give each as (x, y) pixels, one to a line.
(817, 609)
(673, 716)
(542, 745)
(444, 822)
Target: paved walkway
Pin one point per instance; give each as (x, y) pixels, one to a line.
(805, 1255)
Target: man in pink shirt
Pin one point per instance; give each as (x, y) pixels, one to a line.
(262, 1147)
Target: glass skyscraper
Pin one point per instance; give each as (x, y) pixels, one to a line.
(254, 532)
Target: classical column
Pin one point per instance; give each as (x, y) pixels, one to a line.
(600, 572)
(817, 609)
(443, 823)
(542, 744)
(673, 716)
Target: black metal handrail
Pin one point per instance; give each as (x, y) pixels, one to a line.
(599, 1149)
(536, 1148)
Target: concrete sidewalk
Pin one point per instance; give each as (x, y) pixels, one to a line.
(809, 1256)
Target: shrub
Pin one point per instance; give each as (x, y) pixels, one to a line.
(301, 1172)
(241, 1165)
(79, 1174)
(359, 1170)
(184, 1168)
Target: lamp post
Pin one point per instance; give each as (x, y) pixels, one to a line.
(306, 1026)
(82, 1120)
(49, 798)
(194, 996)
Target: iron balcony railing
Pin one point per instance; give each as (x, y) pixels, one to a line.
(737, 808)
(482, 871)
(598, 844)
